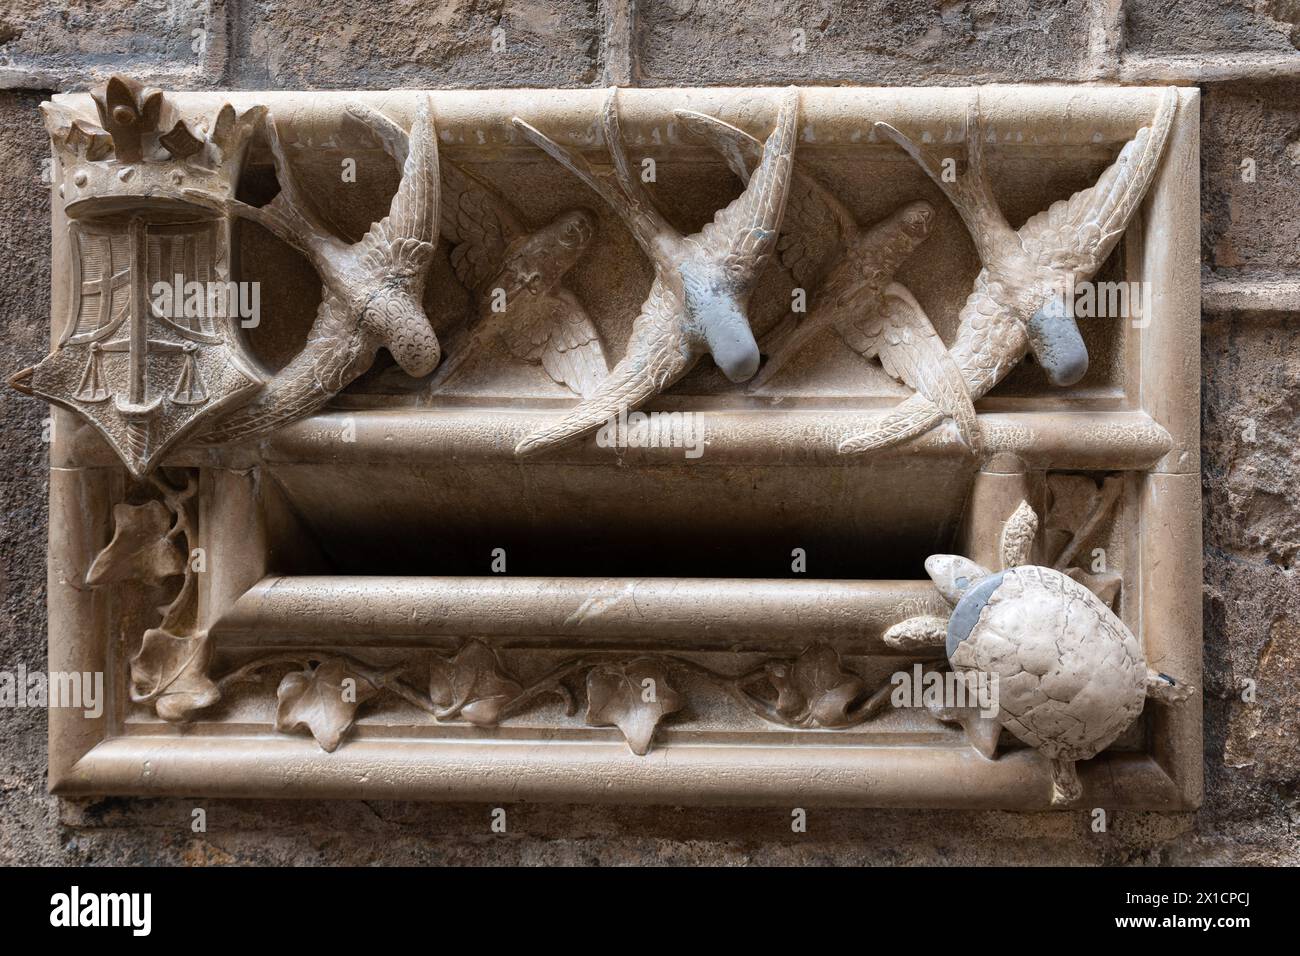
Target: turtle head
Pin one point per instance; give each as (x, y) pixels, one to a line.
(953, 575)
(966, 586)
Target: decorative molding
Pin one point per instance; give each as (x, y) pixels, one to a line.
(610, 461)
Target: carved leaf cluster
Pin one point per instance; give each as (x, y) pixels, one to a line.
(148, 548)
(140, 550)
(1076, 512)
(171, 672)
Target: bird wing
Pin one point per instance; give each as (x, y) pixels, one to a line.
(478, 223)
(817, 227)
(1077, 234)
(402, 243)
(900, 334)
(657, 355)
(556, 331)
(743, 234)
(820, 230)
(991, 339)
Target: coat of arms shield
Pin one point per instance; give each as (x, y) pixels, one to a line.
(150, 348)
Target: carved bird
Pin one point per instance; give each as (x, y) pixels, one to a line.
(516, 275)
(1019, 303)
(699, 298)
(849, 274)
(372, 289)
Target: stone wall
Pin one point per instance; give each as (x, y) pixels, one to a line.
(1243, 55)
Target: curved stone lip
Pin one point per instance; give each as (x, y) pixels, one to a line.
(1101, 117)
(1117, 440)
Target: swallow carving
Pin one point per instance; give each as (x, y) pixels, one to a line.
(372, 290)
(1019, 303)
(699, 299)
(517, 276)
(849, 272)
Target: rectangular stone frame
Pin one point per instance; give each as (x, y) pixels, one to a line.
(1155, 440)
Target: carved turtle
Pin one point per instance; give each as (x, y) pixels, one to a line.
(1070, 676)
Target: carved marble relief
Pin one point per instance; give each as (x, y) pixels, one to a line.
(303, 548)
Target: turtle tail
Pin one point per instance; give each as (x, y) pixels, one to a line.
(1066, 786)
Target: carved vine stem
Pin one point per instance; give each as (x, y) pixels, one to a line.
(1109, 495)
(180, 502)
(811, 690)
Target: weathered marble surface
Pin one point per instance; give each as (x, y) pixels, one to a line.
(1250, 420)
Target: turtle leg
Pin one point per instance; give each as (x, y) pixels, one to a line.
(1066, 787)
(1165, 689)
(982, 732)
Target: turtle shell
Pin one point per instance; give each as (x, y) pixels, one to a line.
(1070, 676)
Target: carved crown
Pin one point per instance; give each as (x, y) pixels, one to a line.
(142, 151)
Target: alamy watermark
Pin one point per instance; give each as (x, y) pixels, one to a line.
(179, 299)
(934, 690)
(1108, 300)
(75, 908)
(78, 690)
(683, 430)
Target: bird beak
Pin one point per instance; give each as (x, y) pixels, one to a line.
(721, 317)
(1056, 343)
(731, 343)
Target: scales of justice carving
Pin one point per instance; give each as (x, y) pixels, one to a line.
(150, 195)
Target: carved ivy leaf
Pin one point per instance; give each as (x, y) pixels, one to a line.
(1072, 499)
(632, 696)
(140, 549)
(472, 685)
(171, 672)
(324, 700)
(815, 689)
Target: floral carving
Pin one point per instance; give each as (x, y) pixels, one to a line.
(144, 547)
(1078, 508)
(171, 672)
(635, 695)
(814, 690)
(324, 699)
(149, 548)
(632, 696)
(471, 685)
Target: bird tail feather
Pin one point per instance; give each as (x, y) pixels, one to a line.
(915, 416)
(627, 387)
